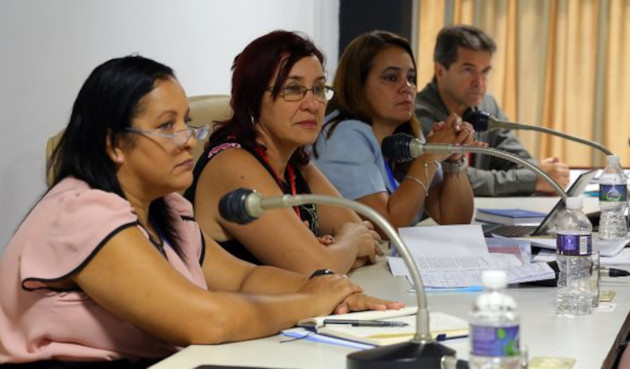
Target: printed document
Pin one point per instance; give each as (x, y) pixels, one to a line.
(455, 256)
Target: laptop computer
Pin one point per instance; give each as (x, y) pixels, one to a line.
(550, 220)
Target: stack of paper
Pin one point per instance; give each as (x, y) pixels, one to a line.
(462, 278)
(455, 257)
(503, 245)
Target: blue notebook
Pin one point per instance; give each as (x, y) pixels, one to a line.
(510, 216)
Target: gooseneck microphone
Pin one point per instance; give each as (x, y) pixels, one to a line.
(482, 121)
(403, 147)
(243, 206)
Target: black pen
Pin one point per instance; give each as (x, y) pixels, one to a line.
(365, 323)
(613, 272)
(443, 337)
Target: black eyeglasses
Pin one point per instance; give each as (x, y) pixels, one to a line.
(298, 92)
(180, 138)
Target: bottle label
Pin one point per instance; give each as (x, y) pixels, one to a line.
(613, 192)
(573, 244)
(495, 341)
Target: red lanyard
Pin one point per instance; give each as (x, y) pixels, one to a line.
(279, 181)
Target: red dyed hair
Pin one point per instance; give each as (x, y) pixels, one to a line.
(252, 72)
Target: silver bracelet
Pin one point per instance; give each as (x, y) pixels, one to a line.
(454, 167)
(426, 175)
(418, 181)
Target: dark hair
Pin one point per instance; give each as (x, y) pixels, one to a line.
(107, 103)
(352, 72)
(452, 37)
(252, 72)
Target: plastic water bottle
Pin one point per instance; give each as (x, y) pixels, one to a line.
(573, 254)
(613, 191)
(494, 326)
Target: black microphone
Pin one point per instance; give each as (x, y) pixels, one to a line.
(234, 207)
(483, 121)
(480, 120)
(244, 205)
(403, 147)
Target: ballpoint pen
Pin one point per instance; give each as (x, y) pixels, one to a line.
(365, 323)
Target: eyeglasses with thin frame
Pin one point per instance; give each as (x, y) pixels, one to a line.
(181, 137)
(297, 92)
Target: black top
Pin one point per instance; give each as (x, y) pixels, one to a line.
(308, 212)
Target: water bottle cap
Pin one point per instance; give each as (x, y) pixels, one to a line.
(494, 279)
(574, 203)
(612, 159)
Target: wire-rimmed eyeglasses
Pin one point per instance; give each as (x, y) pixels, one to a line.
(298, 92)
(181, 137)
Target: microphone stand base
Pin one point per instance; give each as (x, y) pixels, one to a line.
(406, 355)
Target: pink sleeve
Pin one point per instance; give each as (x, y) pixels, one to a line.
(67, 229)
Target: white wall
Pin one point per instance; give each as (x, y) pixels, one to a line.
(48, 48)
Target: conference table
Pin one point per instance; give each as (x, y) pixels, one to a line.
(594, 340)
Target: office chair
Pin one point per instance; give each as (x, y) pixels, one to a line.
(204, 109)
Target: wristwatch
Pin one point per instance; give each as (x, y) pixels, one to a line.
(454, 166)
(319, 272)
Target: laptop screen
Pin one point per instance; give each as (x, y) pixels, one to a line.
(575, 190)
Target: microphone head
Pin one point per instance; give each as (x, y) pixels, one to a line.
(233, 206)
(479, 119)
(397, 147)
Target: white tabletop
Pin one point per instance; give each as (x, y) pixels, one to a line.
(592, 340)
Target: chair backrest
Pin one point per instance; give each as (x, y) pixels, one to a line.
(208, 109)
(204, 109)
(50, 147)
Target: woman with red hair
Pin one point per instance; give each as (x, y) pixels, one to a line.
(279, 96)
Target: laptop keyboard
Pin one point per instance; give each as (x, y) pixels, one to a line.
(507, 230)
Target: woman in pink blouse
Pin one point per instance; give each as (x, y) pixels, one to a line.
(111, 266)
